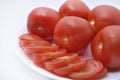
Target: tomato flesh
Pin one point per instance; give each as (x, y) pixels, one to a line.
(72, 67)
(91, 68)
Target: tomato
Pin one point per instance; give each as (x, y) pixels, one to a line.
(34, 43)
(102, 16)
(47, 56)
(61, 62)
(89, 71)
(72, 67)
(106, 46)
(74, 8)
(31, 37)
(29, 40)
(72, 33)
(41, 21)
(101, 73)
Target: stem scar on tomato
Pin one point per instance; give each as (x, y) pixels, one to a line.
(40, 28)
(65, 38)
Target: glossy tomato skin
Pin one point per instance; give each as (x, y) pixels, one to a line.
(72, 33)
(41, 21)
(74, 8)
(106, 46)
(102, 16)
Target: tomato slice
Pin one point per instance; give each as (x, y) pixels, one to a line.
(30, 50)
(60, 62)
(72, 67)
(45, 56)
(92, 68)
(34, 43)
(29, 36)
(64, 61)
(101, 73)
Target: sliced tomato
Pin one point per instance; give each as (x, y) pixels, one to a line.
(92, 68)
(101, 73)
(30, 50)
(30, 36)
(34, 43)
(62, 62)
(72, 67)
(45, 56)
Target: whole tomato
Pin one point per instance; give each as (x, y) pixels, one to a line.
(106, 46)
(102, 16)
(72, 33)
(41, 21)
(74, 8)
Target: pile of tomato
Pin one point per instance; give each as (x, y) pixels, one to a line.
(56, 40)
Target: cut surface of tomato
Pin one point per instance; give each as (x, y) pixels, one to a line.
(92, 67)
(72, 67)
(30, 36)
(47, 56)
(61, 62)
(34, 43)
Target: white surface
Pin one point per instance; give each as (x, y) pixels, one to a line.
(13, 15)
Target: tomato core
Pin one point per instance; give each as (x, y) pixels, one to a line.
(52, 56)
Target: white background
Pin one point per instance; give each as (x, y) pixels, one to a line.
(13, 15)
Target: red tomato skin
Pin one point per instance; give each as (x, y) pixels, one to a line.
(106, 46)
(72, 33)
(74, 8)
(102, 16)
(41, 21)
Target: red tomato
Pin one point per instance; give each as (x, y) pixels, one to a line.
(47, 56)
(91, 68)
(101, 73)
(102, 16)
(72, 33)
(61, 62)
(72, 67)
(29, 40)
(30, 37)
(106, 46)
(74, 8)
(34, 43)
(41, 21)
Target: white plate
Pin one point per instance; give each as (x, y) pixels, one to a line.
(110, 75)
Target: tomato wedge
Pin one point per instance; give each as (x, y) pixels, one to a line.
(47, 56)
(89, 71)
(61, 62)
